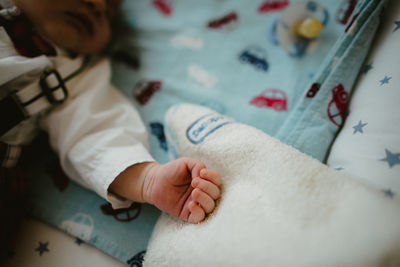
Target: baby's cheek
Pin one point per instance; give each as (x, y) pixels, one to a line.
(61, 34)
(99, 40)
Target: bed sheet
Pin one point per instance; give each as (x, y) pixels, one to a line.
(39, 245)
(368, 146)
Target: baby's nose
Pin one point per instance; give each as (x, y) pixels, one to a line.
(98, 6)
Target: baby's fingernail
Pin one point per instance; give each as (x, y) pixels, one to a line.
(203, 172)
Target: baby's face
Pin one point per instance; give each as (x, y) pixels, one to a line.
(81, 26)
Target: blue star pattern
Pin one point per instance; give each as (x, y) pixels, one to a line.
(391, 158)
(389, 193)
(397, 25)
(367, 68)
(359, 127)
(385, 80)
(42, 248)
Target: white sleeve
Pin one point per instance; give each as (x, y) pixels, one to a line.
(97, 133)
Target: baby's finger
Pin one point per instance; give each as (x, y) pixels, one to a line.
(205, 201)
(211, 175)
(194, 166)
(196, 213)
(208, 187)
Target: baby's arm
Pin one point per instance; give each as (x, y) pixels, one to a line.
(184, 188)
(99, 134)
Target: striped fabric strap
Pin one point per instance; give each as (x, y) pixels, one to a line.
(9, 155)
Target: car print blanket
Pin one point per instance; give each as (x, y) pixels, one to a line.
(239, 58)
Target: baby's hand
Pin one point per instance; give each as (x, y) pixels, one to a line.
(184, 188)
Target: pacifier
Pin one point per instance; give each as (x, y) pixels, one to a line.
(298, 27)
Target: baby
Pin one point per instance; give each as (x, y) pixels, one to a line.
(96, 132)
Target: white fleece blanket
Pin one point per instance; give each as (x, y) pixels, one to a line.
(279, 207)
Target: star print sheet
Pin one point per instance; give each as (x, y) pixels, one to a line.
(368, 146)
(229, 56)
(39, 245)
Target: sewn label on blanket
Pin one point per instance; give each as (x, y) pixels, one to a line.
(205, 125)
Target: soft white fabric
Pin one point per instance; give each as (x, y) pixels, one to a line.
(97, 133)
(368, 146)
(279, 207)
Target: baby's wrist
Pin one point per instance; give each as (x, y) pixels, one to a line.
(147, 181)
(132, 182)
(149, 175)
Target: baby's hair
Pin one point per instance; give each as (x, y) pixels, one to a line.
(118, 24)
(113, 7)
(119, 47)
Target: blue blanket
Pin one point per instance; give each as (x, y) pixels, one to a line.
(224, 55)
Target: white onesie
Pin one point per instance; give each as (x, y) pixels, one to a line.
(96, 132)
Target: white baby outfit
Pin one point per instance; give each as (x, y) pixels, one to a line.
(96, 132)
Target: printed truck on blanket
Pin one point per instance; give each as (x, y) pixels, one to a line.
(226, 22)
(201, 77)
(124, 214)
(164, 6)
(144, 90)
(272, 5)
(188, 41)
(80, 225)
(337, 105)
(271, 98)
(345, 11)
(255, 56)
